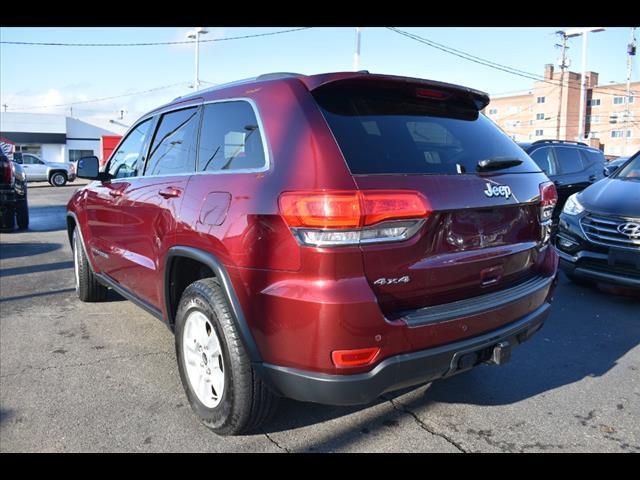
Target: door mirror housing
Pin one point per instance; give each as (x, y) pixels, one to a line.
(89, 167)
(609, 170)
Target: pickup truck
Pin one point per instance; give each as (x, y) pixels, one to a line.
(39, 170)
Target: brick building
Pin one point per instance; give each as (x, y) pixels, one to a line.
(552, 111)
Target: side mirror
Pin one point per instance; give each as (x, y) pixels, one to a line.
(609, 169)
(89, 167)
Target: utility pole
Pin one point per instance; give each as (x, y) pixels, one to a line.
(563, 64)
(631, 51)
(356, 54)
(195, 34)
(575, 32)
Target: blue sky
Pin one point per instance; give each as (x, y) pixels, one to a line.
(46, 75)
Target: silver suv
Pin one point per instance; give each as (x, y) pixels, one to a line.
(39, 170)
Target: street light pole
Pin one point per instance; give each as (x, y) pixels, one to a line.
(196, 36)
(583, 81)
(356, 55)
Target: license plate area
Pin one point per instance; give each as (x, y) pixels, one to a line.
(624, 258)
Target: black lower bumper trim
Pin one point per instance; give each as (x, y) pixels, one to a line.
(611, 276)
(399, 371)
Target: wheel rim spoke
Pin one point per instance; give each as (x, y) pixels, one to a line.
(202, 357)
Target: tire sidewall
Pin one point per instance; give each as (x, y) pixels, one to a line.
(62, 176)
(221, 415)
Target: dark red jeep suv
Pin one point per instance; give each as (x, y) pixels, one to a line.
(326, 238)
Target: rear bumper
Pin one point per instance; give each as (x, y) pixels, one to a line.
(399, 371)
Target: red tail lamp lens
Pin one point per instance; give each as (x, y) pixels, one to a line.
(350, 209)
(354, 358)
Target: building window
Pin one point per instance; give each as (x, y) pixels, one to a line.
(618, 100)
(540, 100)
(75, 155)
(594, 102)
(539, 116)
(595, 118)
(539, 133)
(613, 118)
(628, 133)
(617, 133)
(493, 111)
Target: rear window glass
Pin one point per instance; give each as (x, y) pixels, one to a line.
(392, 131)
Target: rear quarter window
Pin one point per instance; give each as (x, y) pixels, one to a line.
(392, 131)
(569, 159)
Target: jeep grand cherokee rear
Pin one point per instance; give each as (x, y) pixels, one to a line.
(377, 232)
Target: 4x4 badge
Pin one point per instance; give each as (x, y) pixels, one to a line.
(497, 191)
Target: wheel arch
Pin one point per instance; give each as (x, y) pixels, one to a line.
(220, 273)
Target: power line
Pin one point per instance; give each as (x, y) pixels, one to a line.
(146, 44)
(487, 63)
(25, 107)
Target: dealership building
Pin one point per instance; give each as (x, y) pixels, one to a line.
(54, 138)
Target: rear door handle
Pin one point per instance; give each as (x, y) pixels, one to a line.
(115, 193)
(592, 178)
(171, 192)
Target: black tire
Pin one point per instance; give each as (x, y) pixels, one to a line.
(22, 215)
(7, 218)
(58, 179)
(246, 403)
(87, 286)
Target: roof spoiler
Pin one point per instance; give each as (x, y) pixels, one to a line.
(479, 99)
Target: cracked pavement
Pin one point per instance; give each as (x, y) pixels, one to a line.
(103, 377)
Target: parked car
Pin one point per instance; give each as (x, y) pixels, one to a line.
(572, 166)
(13, 195)
(326, 238)
(39, 170)
(599, 234)
(613, 165)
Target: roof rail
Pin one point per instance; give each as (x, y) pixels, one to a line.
(264, 76)
(537, 142)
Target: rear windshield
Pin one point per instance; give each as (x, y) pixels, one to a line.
(392, 131)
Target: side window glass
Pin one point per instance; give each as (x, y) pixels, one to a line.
(544, 159)
(569, 159)
(230, 138)
(125, 161)
(174, 145)
(590, 157)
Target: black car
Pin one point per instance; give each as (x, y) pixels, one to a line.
(599, 230)
(572, 166)
(613, 165)
(13, 195)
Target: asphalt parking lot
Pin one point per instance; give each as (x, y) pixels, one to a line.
(103, 377)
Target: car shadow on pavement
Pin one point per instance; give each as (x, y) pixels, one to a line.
(585, 335)
(26, 249)
(46, 267)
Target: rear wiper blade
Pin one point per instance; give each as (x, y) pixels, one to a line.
(497, 163)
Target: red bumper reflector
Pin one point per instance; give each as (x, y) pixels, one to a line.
(354, 358)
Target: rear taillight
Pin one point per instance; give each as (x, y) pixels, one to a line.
(548, 200)
(332, 218)
(7, 173)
